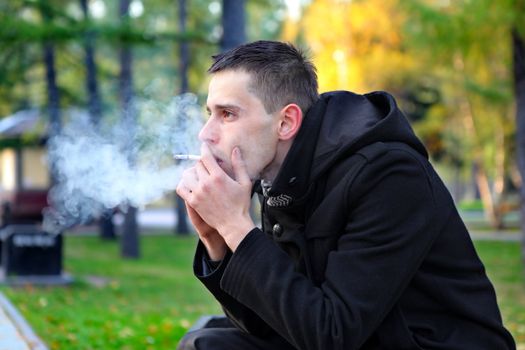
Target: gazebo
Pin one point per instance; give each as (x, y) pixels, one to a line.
(24, 175)
(28, 254)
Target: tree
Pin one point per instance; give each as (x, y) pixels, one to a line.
(130, 235)
(180, 208)
(518, 45)
(16, 58)
(53, 97)
(362, 36)
(233, 23)
(106, 226)
(94, 102)
(71, 37)
(466, 46)
(52, 87)
(457, 51)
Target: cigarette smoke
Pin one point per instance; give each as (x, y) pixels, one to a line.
(100, 167)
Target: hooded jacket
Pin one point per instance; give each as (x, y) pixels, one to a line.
(361, 246)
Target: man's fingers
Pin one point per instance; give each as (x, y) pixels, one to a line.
(192, 213)
(189, 180)
(239, 167)
(201, 171)
(208, 159)
(183, 191)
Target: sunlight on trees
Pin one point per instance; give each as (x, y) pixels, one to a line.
(451, 59)
(358, 44)
(448, 63)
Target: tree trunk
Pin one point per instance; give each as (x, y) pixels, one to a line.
(518, 45)
(94, 103)
(53, 97)
(130, 244)
(233, 23)
(106, 226)
(490, 200)
(184, 50)
(182, 227)
(499, 187)
(493, 215)
(130, 240)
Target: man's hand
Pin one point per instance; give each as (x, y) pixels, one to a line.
(221, 202)
(212, 240)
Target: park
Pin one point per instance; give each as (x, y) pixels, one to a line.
(101, 105)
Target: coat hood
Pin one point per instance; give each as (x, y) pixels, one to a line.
(352, 121)
(336, 126)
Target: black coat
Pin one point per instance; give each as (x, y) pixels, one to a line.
(361, 245)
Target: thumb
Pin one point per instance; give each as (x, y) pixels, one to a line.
(239, 167)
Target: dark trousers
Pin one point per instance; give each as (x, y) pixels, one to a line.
(220, 334)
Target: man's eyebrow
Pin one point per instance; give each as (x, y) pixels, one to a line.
(224, 106)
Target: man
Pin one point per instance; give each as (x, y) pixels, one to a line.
(361, 246)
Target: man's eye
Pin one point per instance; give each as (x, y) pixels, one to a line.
(228, 114)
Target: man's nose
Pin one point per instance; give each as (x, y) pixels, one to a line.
(209, 133)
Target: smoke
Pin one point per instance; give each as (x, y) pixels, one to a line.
(100, 167)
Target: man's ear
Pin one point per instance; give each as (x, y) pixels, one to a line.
(290, 121)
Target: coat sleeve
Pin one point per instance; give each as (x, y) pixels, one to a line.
(389, 229)
(244, 318)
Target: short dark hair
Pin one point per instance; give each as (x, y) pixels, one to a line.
(281, 74)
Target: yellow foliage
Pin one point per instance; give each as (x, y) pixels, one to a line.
(290, 30)
(356, 45)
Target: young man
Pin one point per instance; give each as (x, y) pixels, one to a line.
(361, 246)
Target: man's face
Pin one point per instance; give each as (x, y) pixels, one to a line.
(238, 118)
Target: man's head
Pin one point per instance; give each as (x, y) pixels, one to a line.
(257, 96)
(281, 74)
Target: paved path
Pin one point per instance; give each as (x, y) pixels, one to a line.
(495, 236)
(166, 218)
(15, 332)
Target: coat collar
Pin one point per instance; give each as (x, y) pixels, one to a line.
(293, 178)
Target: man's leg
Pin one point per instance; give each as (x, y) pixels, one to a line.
(229, 338)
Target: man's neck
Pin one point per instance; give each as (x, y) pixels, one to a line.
(270, 173)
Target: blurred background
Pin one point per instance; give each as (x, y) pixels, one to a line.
(457, 68)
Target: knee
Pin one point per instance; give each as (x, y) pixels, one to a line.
(187, 342)
(199, 339)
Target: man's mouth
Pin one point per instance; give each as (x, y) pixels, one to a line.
(217, 158)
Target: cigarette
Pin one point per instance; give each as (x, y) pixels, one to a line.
(187, 157)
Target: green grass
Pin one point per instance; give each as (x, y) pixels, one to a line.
(476, 205)
(151, 302)
(505, 269)
(143, 304)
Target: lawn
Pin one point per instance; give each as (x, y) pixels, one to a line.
(505, 268)
(151, 302)
(118, 304)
